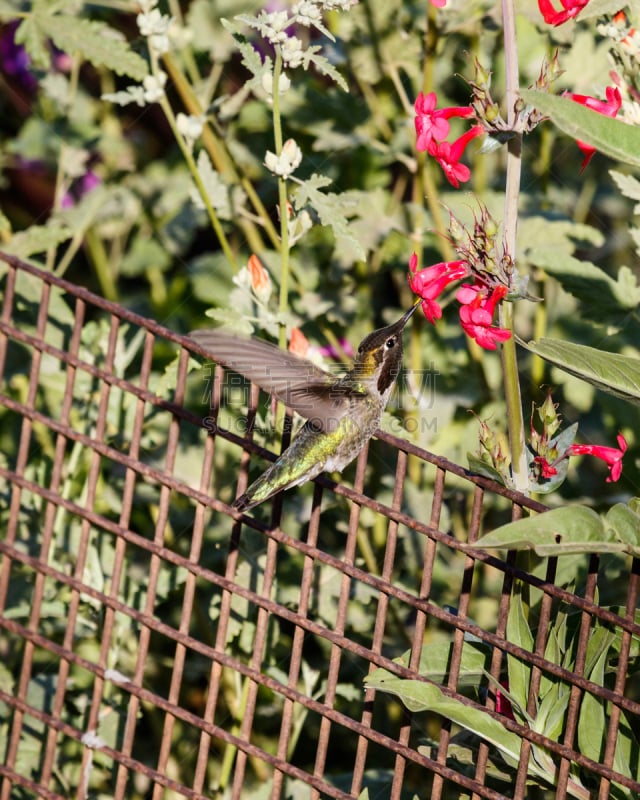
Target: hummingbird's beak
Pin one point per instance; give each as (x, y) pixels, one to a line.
(403, 320)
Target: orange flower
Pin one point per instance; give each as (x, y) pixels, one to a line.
(298, 344)
(260, 280)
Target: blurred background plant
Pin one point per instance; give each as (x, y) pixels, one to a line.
(140, 149)
(258, 166)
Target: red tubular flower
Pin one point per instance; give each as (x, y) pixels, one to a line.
(609, 108)
(571, 8)
(449, 155)
(430, 282)
(546, 470)
(431, 123)
(503, 706)
(476, 315)
(612, 456)
(438, 3)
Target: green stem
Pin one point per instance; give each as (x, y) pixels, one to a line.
(222, 160)
(165, 105)
(513, 400)
(285, 264)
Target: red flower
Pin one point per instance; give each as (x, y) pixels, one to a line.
(430, 282)
(438, 3)
(546, 470)
(571, 8)
(503, 706)
(612, 456)
(609, 108)
(449, 155)
(476, 315)
(431, 123)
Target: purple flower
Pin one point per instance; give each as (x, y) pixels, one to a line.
(79, 188)
(14, 59)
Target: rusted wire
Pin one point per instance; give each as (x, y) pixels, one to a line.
(216, 727)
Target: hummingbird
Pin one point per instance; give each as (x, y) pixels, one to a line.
(341, 414)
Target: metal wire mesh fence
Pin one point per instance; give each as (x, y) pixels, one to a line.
(156, 643)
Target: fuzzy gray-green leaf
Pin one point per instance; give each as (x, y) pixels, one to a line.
(613, 137)
(613, 373)
(561, 531)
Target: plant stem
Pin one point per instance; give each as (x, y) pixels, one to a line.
(515, 421)
(222, 160)
(283, 305)
(165, 105)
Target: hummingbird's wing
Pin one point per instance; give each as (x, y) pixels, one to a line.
(299, 384)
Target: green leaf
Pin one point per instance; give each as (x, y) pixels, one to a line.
(9, 9)
(589, 283)
(628, 185)
(613, 373)
(99, 43)
(519, 633)
(332, 209)
(552, 708)
(561, 531)
(600, 8)
(435, 660)
(592, 723)
(38, 238)
(419, 696)
(481, 467)
(625, 526)
(612, 137)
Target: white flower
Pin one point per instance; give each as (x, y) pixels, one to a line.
(278, 22)
(154, 87)
(307, 13)
(284, 84)
(288, 161)
(340, 5)
(190, 126)
(155, 26)
(292, 52)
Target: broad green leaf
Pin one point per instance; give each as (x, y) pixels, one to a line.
(628, 185)
(617, 374)
(435, 660)
(561, 531)
(592, 722)
(38, 238)
(561, 235)
(481, 467)
(552, 707)
(419, 696)
(519, 633)
(9, 8)
(612, 137)
(99, 44)
(599, 8)
(625, 526)
(588, 282)
(332, 209)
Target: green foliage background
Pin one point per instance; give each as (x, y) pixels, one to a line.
(140, 239)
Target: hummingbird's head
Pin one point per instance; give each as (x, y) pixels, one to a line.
(379, 355)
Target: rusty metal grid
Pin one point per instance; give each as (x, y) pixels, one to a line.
(165, 727)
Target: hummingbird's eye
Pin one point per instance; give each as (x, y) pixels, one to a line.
(390, 343)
